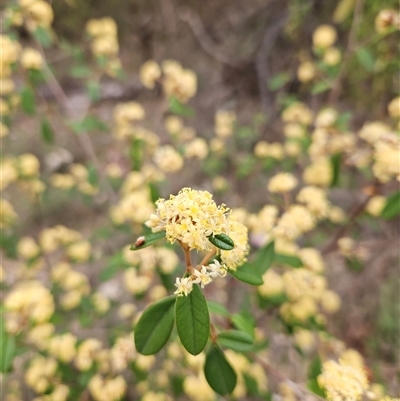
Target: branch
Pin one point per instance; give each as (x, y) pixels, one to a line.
(351, 47)
(197, 27)
(332, 244)
(299, 389)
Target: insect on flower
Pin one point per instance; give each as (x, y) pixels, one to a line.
(140, 241)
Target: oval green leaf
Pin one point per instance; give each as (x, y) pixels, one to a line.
(147, 240)
(336, 161)
(7, 349)
(265, 257)
(244, 323)
(154, 326)
(28, 102)
(392, 206)
(222, 241)
(217, 308)
(193, 320)
(47, 132)
(288, 260)
(237, 340)
(247, 273)
(219, 373)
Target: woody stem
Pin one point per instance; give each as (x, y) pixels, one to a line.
(207, 257)
(188, 260)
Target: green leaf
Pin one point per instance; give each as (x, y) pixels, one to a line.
(147, 240)
(79, 71)
(114, 265)
(320, 87)
(7, 348)
(243, 323)
(219, 373)
(218, 309)
(93, 176)
(46, 131)
(89, 123)
(43, 36)
(315, 368)
(193, 320)
(28, 102)
(251, 385)
(93, 89)
(392, 206)
(278, 81)
(265, 257)
(180, 109)
(222, 241)
(288, 260)
(155, 193)
(136, 154)
(239, 341)
(154, 326)
(365, 58)
(35, 76)
(336, 161)
(248, 273)
(313, 386)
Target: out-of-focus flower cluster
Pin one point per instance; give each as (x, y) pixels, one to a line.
(104, 43)
(177, 82)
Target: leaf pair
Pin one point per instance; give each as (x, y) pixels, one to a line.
(192, 322)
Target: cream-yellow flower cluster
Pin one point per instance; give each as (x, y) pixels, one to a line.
(224, 123)
(386, 150)
(31, 59)
(107, 389)
(387, 19)
(237, 256)
(8, 216)
(10, 51)
(77, 177)
(168, 159)
(23, 170)
(104, 43)
(28, 303)
(36, 13)
(273, 150)
(342, 382)
(306, 291)
(176, 81)
(190, 218)
(41, 372)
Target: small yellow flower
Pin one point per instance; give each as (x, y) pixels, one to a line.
(324, 36)
(31, 59)
(149, 73)
(282, 182)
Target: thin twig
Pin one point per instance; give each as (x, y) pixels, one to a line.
(262, 66)
(351, 46)
(83, 138)
(197, 27)
(207, 257)
(332, 244)
(298, 388)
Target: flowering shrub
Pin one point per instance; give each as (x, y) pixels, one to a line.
(123, 274)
